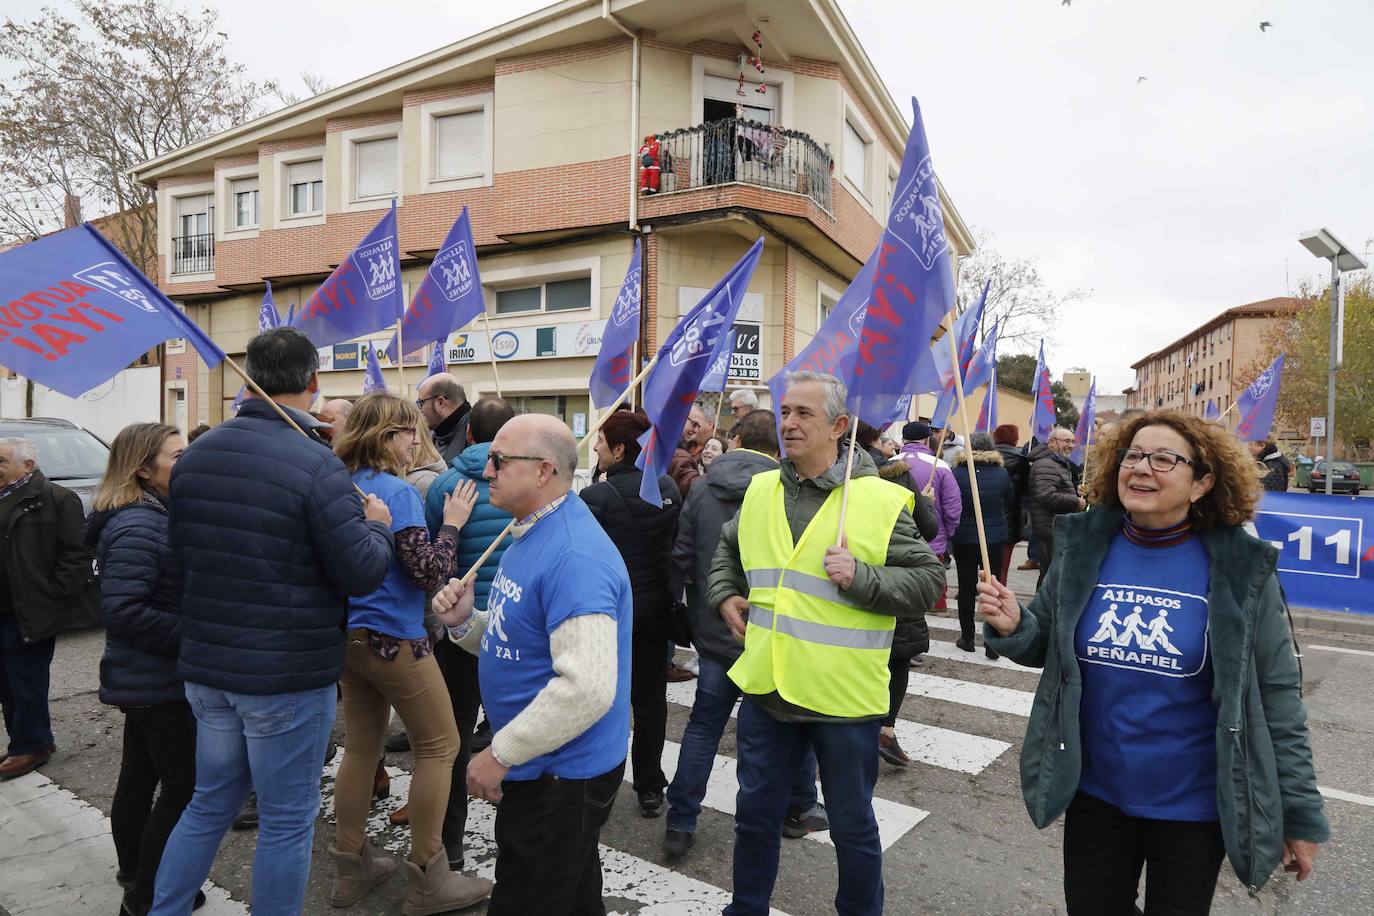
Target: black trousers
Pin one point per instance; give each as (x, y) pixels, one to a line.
(547, 831)
(24, 669)
(1044, 540)
(459, 668)
(968, 559)
(899, 674)
(649, 700)
(159, 750)
(1105, 848)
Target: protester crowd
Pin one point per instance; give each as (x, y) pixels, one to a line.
(286, 563)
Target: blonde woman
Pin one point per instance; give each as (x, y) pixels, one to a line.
(427, 464)
(390, 663)
(140, 601)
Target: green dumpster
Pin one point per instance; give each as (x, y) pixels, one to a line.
(1366, 474)
(1304, 475)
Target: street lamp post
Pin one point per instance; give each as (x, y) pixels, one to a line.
(1323, 244)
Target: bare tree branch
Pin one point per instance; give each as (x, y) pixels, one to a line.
(1026, 308)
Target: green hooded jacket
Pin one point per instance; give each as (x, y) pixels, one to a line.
(1266, 784)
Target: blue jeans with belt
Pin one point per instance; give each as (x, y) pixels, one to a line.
(274, 744)
(848, 757)
(716, 696)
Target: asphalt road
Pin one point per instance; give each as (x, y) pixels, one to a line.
(973, 852)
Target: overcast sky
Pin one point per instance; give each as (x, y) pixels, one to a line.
(1168, 200)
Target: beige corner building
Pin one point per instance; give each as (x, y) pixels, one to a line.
(535, 127)
(1213, 361)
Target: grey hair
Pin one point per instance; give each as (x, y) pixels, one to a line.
(561, 448)
(981, 442)
(743, 397)
(24, 449)
(835, 391)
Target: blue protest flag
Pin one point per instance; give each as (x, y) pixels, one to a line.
(448, 297)
(719, 372)
(267, 315)
(1211, 411)
(437, 363)
(373, 380)
(689, 351)
(1085, 424)
(832, 349)
(613, 371)
(78, 312)
(1256, 404)
(291, 316)
(965, 331)
(362, 295)
(977, 372)
(987, 415)
(1042, 393)
(913, 289)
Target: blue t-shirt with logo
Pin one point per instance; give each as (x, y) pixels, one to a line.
(563, 567)
(398, 607)
(1147, 719)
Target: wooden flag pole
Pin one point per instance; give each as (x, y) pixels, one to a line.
(1087, 456)
(491, 351)
(1227, 411)
(258, 392)
(972, 470)
(848, 470)
(400, 359)
(486, 554)
(939, 444)
(720, 405)
(634, 361)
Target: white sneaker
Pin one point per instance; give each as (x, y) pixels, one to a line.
(691, 665)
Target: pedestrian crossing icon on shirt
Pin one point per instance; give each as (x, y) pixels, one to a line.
(1145, 629)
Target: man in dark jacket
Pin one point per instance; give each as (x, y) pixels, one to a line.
(685, 466)
(713, 503)
(1052, 492)
(444, 405)
(272, 538)
(46, 586)
(1272, 464)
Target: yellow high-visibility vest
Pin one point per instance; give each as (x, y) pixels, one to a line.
(805, 638)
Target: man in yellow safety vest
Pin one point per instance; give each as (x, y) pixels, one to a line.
(816, 620)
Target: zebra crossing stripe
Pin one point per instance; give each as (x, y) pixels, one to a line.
(948, 650)
(626, 879)
(970, 693)
(927, 744)
(895, 819)
(56, 857)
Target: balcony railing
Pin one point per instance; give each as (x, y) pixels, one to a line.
(747, 152)
(193, 254)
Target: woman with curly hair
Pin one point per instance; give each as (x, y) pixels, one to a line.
(1168, 722)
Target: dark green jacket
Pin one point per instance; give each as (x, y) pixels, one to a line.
(1266, 786)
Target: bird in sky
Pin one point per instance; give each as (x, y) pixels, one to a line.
(1266, 26)
(1140, 79)
(1067, 3)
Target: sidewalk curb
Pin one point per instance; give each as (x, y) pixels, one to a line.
(1333, 621)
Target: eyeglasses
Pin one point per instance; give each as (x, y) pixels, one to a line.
(497, 459)
(420, 402)
(1163, 462)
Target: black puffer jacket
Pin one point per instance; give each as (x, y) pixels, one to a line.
(1018, 469)
(643, 533)
(994, 489)
(140, 597)
(270, 535)
(912, 634)
(1274, 467)
(713, 501)
(1052, 490)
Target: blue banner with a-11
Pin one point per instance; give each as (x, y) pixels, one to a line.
(1326, 548)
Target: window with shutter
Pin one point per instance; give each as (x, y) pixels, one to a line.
(458, 145)
(374, 168)
(305, 187)
(855, 158)
(244, 196)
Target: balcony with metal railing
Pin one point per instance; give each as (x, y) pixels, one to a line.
(736, 151)
(193, 254)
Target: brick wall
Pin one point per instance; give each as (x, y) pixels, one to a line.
(789, 305)
(649, 303)
(457, 90)
(543, 60)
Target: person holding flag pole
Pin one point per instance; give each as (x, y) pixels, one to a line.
(1083, 434)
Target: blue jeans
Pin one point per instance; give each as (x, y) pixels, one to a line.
(716, 696)
(24, 669)
(274, 744)
(848, 758)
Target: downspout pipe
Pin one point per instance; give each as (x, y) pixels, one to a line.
(607, 15)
